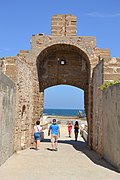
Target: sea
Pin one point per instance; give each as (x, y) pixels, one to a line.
(64, 112)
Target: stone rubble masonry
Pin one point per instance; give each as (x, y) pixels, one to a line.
(7, 117)
(23, 54)
(24, 105)
(112, 69)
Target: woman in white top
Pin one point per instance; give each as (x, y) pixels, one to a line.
(37, 130)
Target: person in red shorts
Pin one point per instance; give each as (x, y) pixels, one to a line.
(69, 129)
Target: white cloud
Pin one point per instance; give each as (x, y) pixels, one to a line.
(102, 15)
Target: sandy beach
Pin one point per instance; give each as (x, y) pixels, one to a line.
(63, 122)
(63, 119)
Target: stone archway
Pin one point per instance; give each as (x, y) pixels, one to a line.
(63, 64)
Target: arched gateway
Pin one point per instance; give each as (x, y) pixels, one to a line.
(64, 64)
(60, 58)
(63, 58)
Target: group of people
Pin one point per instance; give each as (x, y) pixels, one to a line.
(76, 129)
(54, 131)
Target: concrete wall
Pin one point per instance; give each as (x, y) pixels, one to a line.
(7, 117)
(111, 125)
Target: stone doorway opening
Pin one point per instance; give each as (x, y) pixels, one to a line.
(63, 97)
(66, 104)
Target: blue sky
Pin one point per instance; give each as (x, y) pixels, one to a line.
(20, 19)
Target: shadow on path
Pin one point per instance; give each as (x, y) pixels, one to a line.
(92, 155)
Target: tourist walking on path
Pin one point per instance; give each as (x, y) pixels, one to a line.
(76, 130)
(69, 129)
(36, 132)
(54, 130)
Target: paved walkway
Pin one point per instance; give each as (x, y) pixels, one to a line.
(73, 161)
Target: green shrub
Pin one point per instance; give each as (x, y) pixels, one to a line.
(108, 84)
